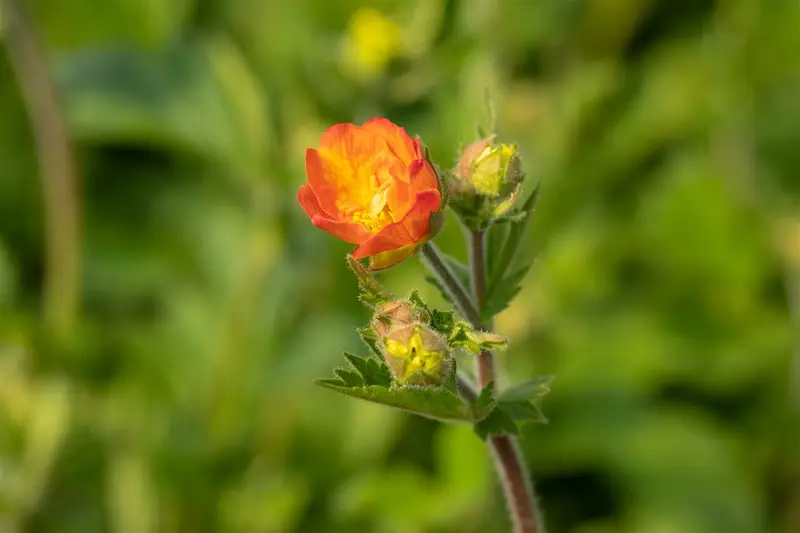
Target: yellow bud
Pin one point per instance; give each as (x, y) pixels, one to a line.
(416, 355)
(487, 169)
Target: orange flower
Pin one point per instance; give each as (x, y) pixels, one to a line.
(371, 185)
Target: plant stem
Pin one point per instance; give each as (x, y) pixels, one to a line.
(458, 294)
(508, 458)
(60, 294)
(477, 261)
(510, 465)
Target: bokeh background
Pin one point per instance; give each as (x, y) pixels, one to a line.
(165, 304)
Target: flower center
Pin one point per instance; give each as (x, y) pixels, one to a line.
(377, 213)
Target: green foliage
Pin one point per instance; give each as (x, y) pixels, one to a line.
(664, 136)
(503, 244)
(514, 407)
(371, 381)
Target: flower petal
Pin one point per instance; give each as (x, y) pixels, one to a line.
(402, 196)
(388, 259)
(309, 202)
(323, 182)
(422, 175)
(412, 229)
(397, 140)
(351, 232)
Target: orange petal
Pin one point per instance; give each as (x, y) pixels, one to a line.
(322, 181)
(351, 232)
(309, 202)
(397, 140)
(412, 229)
(422, 175)
(392, 257)
(402, 196)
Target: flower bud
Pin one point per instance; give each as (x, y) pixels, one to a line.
(395, 314)
(486, 181)
(487, 169)
(416, 355)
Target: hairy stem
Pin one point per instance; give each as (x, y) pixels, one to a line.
(56, 165)
(458, 294)
(477, 261)
(518, 490)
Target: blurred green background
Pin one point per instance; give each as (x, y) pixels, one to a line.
(156, 360)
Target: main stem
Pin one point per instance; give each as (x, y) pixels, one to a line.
(510, 464)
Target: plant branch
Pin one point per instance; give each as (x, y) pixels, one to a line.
(60, 294)
(458, 294)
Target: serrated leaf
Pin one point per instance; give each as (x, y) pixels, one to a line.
(485, 402)
(465, 336)
(523, 411)
(442, 321)
(497, 423)
(349, 377)
(527, 390)
(334, 382)
(417, 301)
(507, 253)
(504, 292)
(371, 340)
(437, 403)
(495, 239)
(373, 371)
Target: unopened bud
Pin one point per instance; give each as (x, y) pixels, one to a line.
(416, 355)
(486, 182)
(487, 169)
(395, 314)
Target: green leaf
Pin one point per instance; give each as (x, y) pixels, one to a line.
(522, 411)
(437, 403)
(371, 340)
(505, 254)
(350, 378)
(495, 239)
(465, 336)
(416, 300)
(497, 423)
(485, 402)
(373, 372)
(527, 390)
(513, 407)
(440, 321)
(503, 293)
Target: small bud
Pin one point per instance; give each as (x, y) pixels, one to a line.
(416, 355)
(395, 314)
(487, 169)
(486, 181)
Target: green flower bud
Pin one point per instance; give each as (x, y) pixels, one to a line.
(416, 355)
(486, 181)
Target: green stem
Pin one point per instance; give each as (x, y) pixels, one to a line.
(60, 294)
(477, 261)
(515, 478)
(458, 294)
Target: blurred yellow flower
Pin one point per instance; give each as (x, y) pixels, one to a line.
(372, 41)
